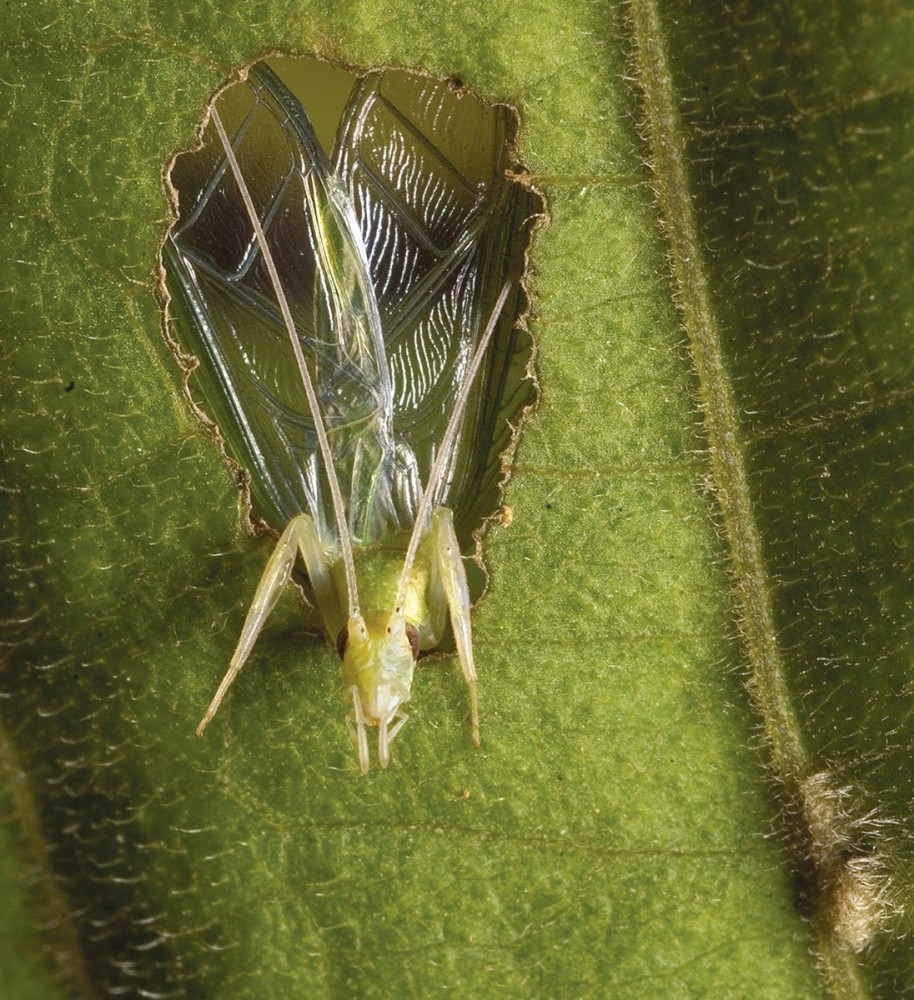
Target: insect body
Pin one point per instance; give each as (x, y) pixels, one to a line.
(353, 315)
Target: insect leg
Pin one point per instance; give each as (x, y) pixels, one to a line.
(402, 718)
(275, 577)
(386, 736)
(318, 566)
(360, 722)
(451, 578)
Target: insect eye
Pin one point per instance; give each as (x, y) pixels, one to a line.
(412, 636)
(341, 640)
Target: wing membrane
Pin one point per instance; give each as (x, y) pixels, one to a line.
(445, 227)
(390, 253)
(215, 266)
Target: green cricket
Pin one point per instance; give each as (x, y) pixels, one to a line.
(353, 311)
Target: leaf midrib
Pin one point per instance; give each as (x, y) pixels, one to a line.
(790, 759)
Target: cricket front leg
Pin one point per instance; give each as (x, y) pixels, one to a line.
(449, 583)
(300, 536)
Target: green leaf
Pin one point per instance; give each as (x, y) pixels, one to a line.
(715, 488)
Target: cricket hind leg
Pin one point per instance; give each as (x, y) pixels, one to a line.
(300, 535)
(449, 585)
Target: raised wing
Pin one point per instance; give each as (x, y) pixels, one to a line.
(231, 320)
(445, 225)
(390, 255)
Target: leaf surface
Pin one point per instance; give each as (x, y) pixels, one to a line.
(749, 170)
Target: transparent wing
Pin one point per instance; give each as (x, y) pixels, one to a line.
(391, 255)
(216, 269)
(444, 226)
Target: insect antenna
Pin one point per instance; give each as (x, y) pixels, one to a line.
(339, 511)
(439, 466)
